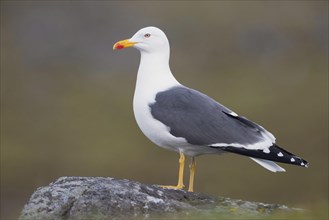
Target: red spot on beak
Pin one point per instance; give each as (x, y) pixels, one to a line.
(119, 46)
(123, 44)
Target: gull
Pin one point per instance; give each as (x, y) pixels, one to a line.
(189, 122)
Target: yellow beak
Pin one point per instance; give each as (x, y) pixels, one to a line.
(123, 44)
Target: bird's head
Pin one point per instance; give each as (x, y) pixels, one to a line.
(149, 40)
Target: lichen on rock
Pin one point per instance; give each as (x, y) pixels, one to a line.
(104, 198)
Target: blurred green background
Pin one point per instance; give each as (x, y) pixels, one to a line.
(66, 96)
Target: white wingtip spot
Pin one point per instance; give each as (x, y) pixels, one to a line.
(292, 159)
(302, 164)
(280, 154)
(266, 151)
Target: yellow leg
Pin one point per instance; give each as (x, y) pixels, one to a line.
(192, 172)
(180, 184)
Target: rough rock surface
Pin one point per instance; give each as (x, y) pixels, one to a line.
(106, 198)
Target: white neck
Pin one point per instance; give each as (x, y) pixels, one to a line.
(154, 73)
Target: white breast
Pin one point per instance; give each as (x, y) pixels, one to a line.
(156, 131)
(154, 77)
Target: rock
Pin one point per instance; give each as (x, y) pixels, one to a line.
(104, 198)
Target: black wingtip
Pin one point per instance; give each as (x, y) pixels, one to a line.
(298, 161)
(293, 159)
(273, 153)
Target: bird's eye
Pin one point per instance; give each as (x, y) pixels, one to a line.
(147, 35)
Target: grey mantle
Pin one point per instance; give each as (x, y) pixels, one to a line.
(108, 198)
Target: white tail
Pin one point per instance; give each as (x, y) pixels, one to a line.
(270, 165)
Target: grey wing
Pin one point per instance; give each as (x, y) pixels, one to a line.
(203, 121)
